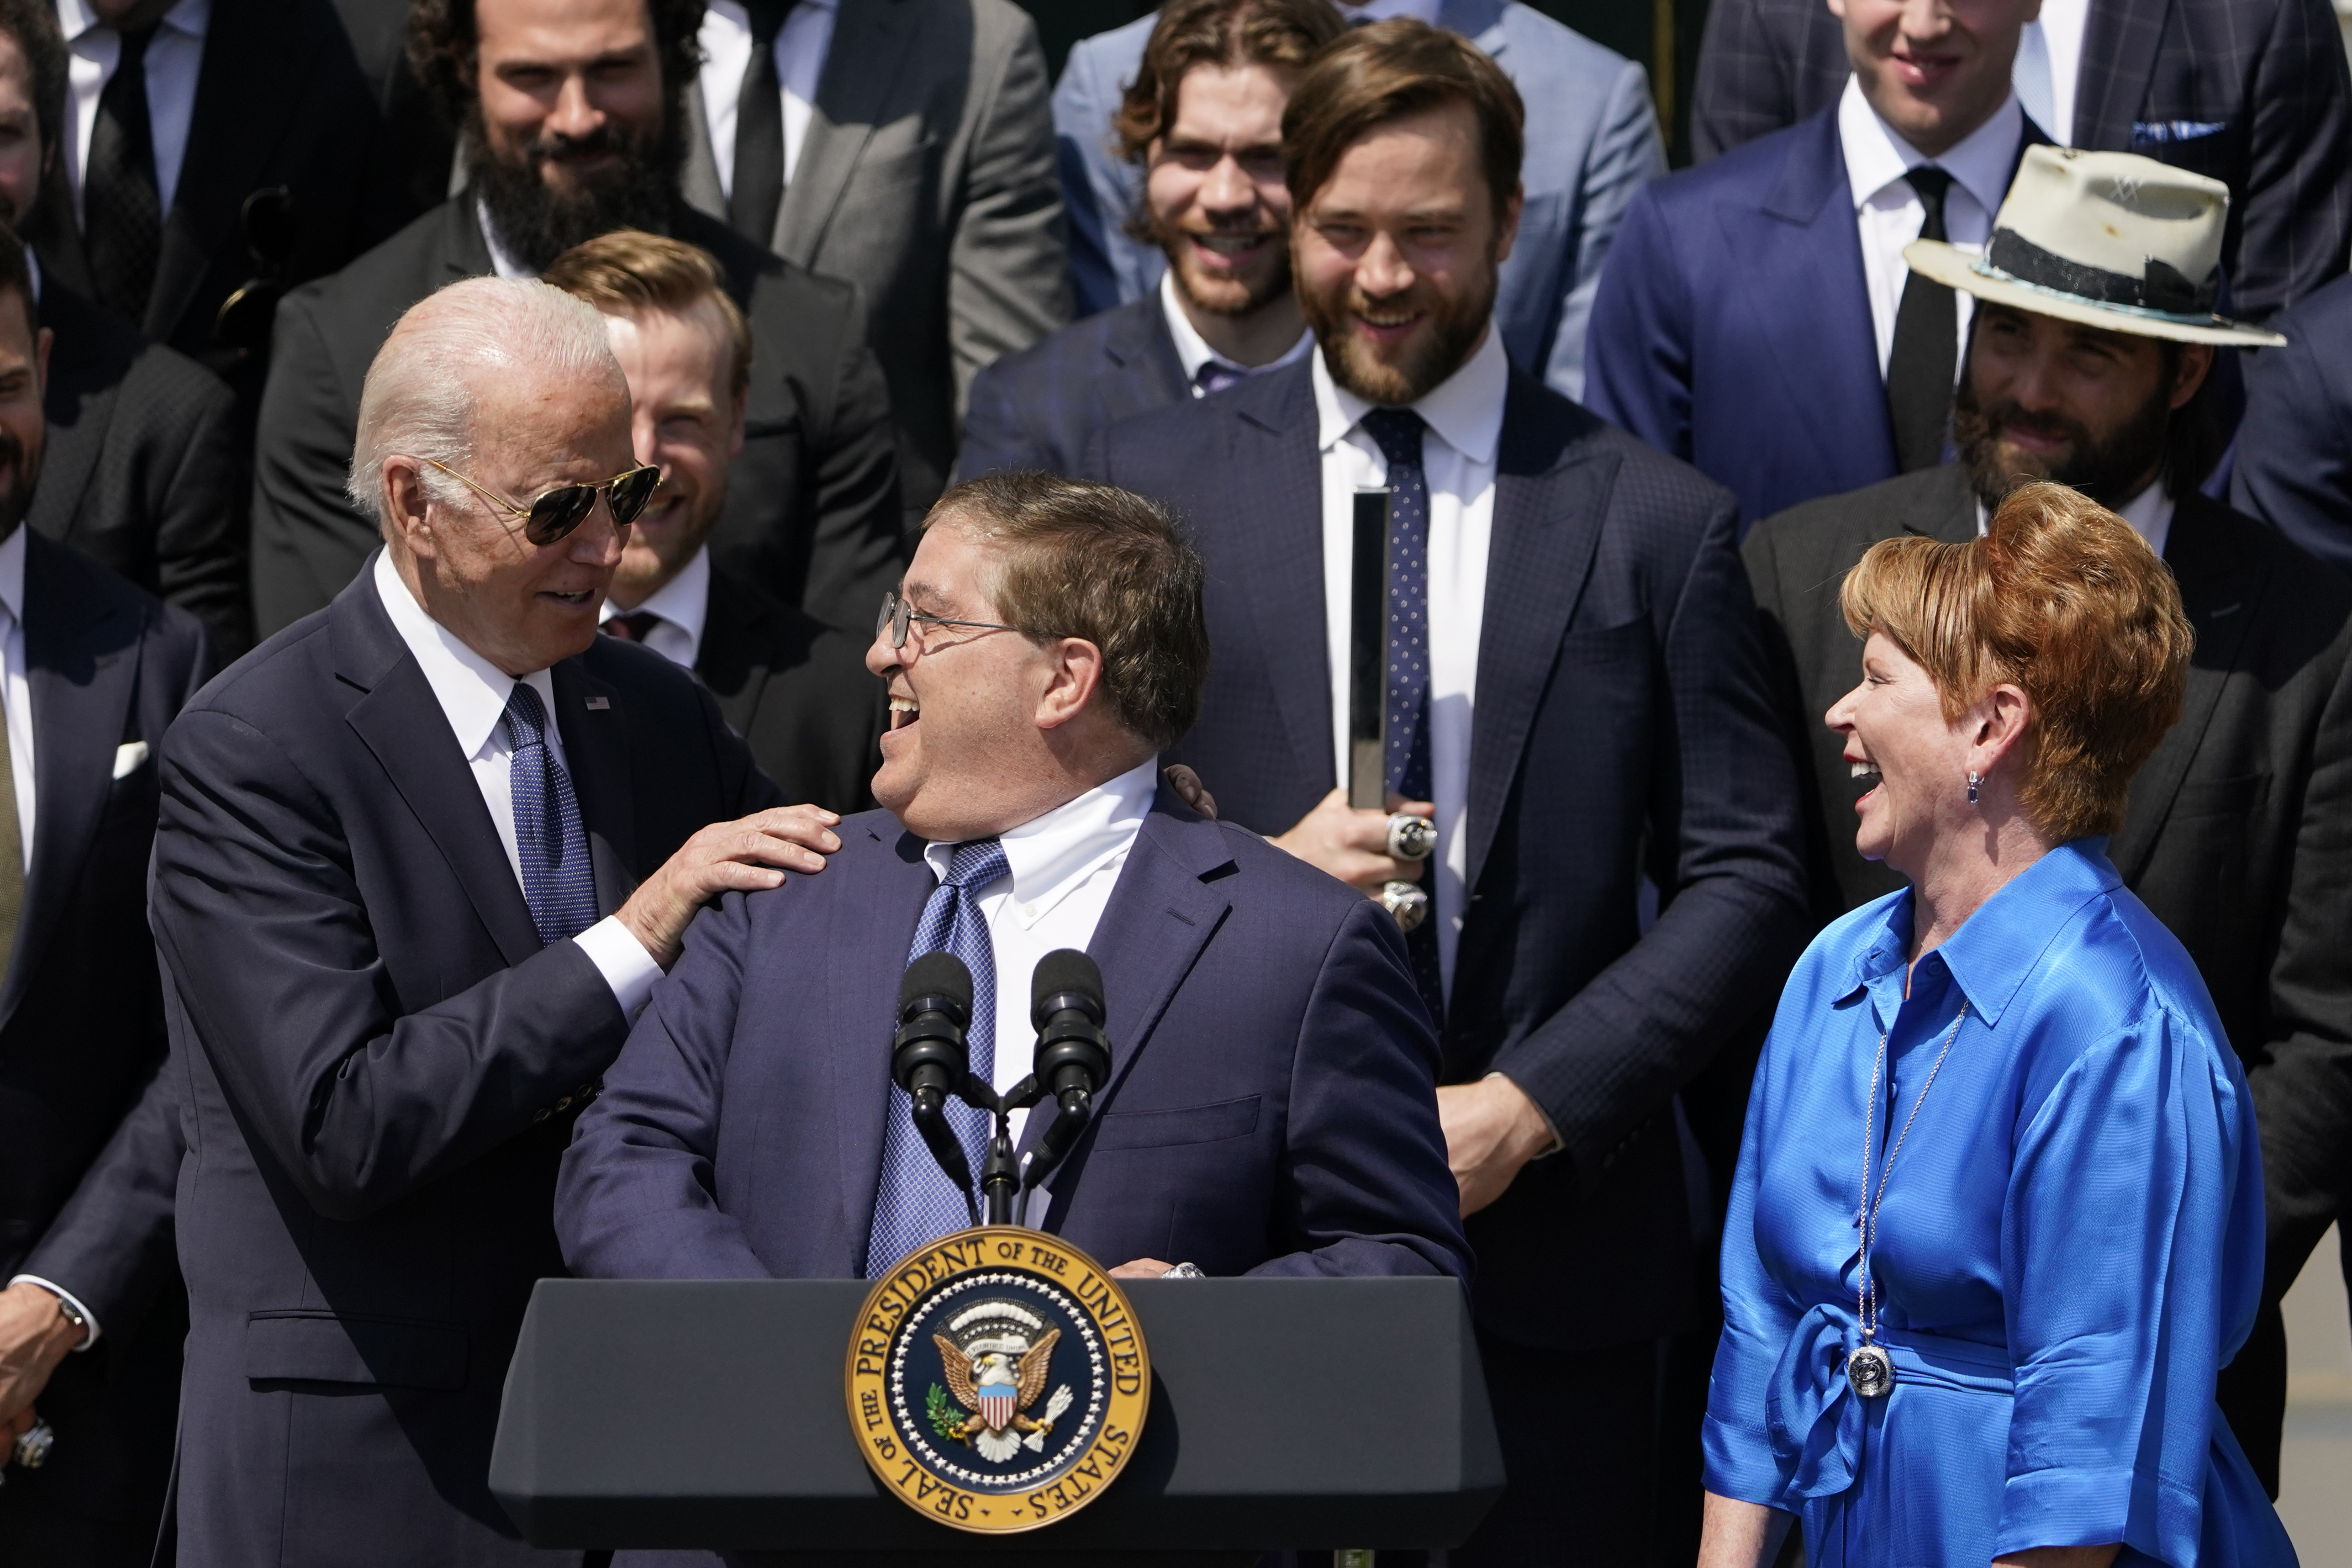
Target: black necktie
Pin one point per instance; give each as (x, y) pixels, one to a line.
(1926, 336)
(759, 186)
(635, 627)
(122, 220)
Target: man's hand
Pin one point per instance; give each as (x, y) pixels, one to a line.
(33, 1337)
(1141, 1268)
(727, 857)
(1492, 1129)
(1190, 789)
(1353, 845)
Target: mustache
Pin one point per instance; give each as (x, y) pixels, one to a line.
(607, 139)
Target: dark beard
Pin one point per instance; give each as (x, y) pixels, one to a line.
(2109, 472)
(1257, 297)
(1454, 325)
(535, 223)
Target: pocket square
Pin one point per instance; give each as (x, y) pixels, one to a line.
(2161, 132)
(129, 758)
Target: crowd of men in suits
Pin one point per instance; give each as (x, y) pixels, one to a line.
(288, 1192)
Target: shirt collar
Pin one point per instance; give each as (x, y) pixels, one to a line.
(1051, 856)
(12, 574)
(1465, 409)
(192, 17)
(1193, 350)
(473, 692)
(684, 601)
(1370, 11)
(1996, 947)
(1876, 156)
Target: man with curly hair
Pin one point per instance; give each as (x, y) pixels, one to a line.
(572, 117)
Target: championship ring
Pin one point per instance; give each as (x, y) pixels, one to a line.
(1408, 901)
(1871, 1370)
(997, 1380)
(1411, 837)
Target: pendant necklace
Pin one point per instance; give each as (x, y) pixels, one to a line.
(1869, 1368)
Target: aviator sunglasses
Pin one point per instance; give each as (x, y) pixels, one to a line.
(556, 513)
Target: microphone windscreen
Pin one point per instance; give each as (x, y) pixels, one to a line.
(939, 974)
(1059, 972)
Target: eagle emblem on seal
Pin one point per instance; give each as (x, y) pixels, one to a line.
(996, 1356)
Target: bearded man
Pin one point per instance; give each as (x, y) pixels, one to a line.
(1574, 693)
(1203, 120)
(2236, 833)
(572, 111)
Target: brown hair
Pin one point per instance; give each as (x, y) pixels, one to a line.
(1388, 71)
(34, 24)
(1104, 564)
(2064, 599)
(1231, 33)
(629, 271)
(444, 41)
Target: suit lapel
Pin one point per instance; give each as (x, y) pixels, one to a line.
(592, 717)
(865, 957)
(698, 180)
(85, 382)
(1802, 245)
(1549, 502)
(2222, 596)
(2119, 40)
(727, 663)
(401, 724)
(1278, 554)
(82, 667)
(1138, 343)
(870, 42)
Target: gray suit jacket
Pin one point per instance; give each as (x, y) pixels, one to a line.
(927, 180)
(1591, 138)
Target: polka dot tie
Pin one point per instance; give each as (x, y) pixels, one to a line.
(550, 841)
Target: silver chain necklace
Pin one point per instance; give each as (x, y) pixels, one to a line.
(1869, 1368)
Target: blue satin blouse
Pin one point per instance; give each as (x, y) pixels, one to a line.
(2070, 1248)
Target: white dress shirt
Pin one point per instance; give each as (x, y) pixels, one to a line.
(173, 57)
(2049, 66)
(683, 604)
(802, 44)
(1193, 350)
(2149, 513)
(1886, 210)
(1062, 867)
(473, 694)
(1465, 414)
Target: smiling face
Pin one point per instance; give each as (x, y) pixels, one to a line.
(1897, 733)
(20, 134)
(1397, 254)
(684, 420)
(1934, 69)
(1213, 185)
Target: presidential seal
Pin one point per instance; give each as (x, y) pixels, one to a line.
(997, 1380)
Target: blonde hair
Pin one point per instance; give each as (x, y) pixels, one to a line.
(2064, 599)
(628, 271)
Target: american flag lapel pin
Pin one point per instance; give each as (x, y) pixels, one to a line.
(599, 704)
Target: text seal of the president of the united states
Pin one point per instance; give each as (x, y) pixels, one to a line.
(997, 1380)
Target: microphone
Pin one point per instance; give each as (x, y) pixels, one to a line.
(928, 1055)
(1073, 1057)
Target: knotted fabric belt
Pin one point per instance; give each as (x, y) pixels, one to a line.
(1815, 1418)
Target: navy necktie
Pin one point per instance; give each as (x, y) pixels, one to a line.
(548, 838)
(122, 216)
(1216, 375)
(916, 1202)
(1398, 432)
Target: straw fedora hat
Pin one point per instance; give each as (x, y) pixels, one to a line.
(2107, 239)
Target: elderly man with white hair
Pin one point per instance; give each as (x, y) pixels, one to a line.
(422, 856)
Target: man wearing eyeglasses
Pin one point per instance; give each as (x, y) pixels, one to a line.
(420, 860)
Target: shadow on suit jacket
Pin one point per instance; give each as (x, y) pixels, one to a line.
(2239, 832)
(1271, 1106)
(798, 692)
(379, 1065)
(142, 468)
(81, 1026)
(812, 501)
(1043, 407)
(1623, 729)
(2250, 92)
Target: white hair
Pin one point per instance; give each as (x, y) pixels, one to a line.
(419, 399)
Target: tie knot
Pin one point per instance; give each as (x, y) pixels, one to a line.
(975, 865)
(635, 627)
(767, 18)
(135, 43)
(1932, 185)
(526, 717)
(1216, 375)
(1398, 432)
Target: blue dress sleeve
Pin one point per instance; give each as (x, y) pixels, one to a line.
(2131, 1264)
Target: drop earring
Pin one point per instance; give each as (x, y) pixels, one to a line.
(1975, 779)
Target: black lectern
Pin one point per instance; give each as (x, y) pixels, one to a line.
(1310, 1414)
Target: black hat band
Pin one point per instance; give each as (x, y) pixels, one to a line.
(2161, 288)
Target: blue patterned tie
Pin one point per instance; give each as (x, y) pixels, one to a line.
(916, 1202)
(1214, 375)
(549, 839)
(1399, 432)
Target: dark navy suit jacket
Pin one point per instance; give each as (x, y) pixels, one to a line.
(81, 1026)
(1733, 325)
(1042, 407)
(1622, 709)
(1271, 1106)
(377, 1063)
(2295, 447)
